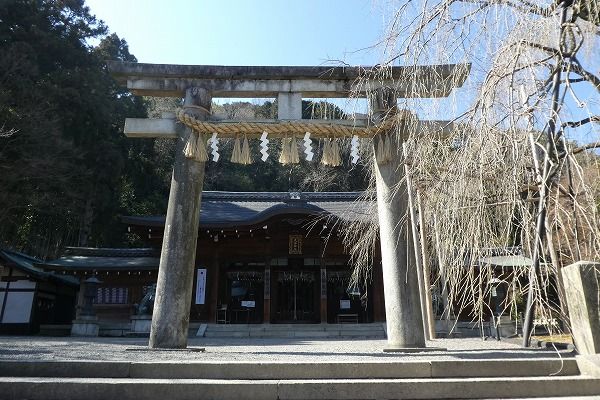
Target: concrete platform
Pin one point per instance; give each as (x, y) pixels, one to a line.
(135, 389)
(325, 331)
(259, 349)
(263, 369)
(384, 369)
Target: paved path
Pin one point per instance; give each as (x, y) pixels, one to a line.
(286, 350)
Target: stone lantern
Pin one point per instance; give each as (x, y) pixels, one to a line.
(86, 323)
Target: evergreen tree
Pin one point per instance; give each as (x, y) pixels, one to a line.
(66, 161)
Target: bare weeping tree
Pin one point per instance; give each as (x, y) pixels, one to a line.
(514, 167)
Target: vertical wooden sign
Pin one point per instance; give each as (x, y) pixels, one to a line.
(201, 286)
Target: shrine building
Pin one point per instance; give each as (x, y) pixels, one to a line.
(273, 257)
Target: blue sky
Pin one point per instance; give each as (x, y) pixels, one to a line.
(237, 32)
(261, 32)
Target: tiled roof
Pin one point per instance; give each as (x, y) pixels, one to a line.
(224, 209)
(105, 259)
(219, 209)
(131, 263)
(280, 196)
(32, 267)
(110, 252)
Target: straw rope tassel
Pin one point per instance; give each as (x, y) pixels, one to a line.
(201, 153)
(379, 150)
(336, 159)
(294, 157)
(246, 159)
(387, 148)
(284, 157)
(236, 154)
(190, 149)
(326, 157)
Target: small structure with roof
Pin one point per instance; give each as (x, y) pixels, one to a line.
(31, 297)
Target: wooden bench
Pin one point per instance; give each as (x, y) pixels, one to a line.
(347, 318)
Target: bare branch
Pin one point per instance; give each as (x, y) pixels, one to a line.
(7, 132)
(578, 69)
(548, 49)
(525, 6)
(588, 146)
(575, 124)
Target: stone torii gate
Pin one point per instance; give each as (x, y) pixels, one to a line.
(198, 85)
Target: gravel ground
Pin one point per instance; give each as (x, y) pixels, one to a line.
(286, 350)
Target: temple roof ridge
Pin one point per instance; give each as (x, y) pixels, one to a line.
(279, 196)
(110, 252)
(220, 209)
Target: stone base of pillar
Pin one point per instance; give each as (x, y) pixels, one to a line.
(141, 324)
(85, 326)
(153, 349)
(412, 349)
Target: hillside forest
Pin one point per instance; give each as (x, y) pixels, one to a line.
(67, 172)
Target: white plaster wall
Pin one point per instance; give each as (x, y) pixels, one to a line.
(18, 307)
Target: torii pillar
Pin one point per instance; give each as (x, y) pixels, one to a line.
(403, 313)
(171, 316)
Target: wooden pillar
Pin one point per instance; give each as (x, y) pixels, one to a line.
(402, 302)
(268, 282)
(214, 278)
(80, 298)
(415, 243)
(323, 283)
(171, 317)
(423, 292)
(267, 294)
(323, 293)
(425, 262)
(448, 312)
(377, 293)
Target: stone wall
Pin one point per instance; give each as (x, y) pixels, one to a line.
(582, 288)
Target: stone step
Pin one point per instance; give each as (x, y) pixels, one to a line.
(288, 335)
(284, 335)
(298, 327)
(55, 330)
(295, 331)
(592, 397)
(292, 370)
(299, 389)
